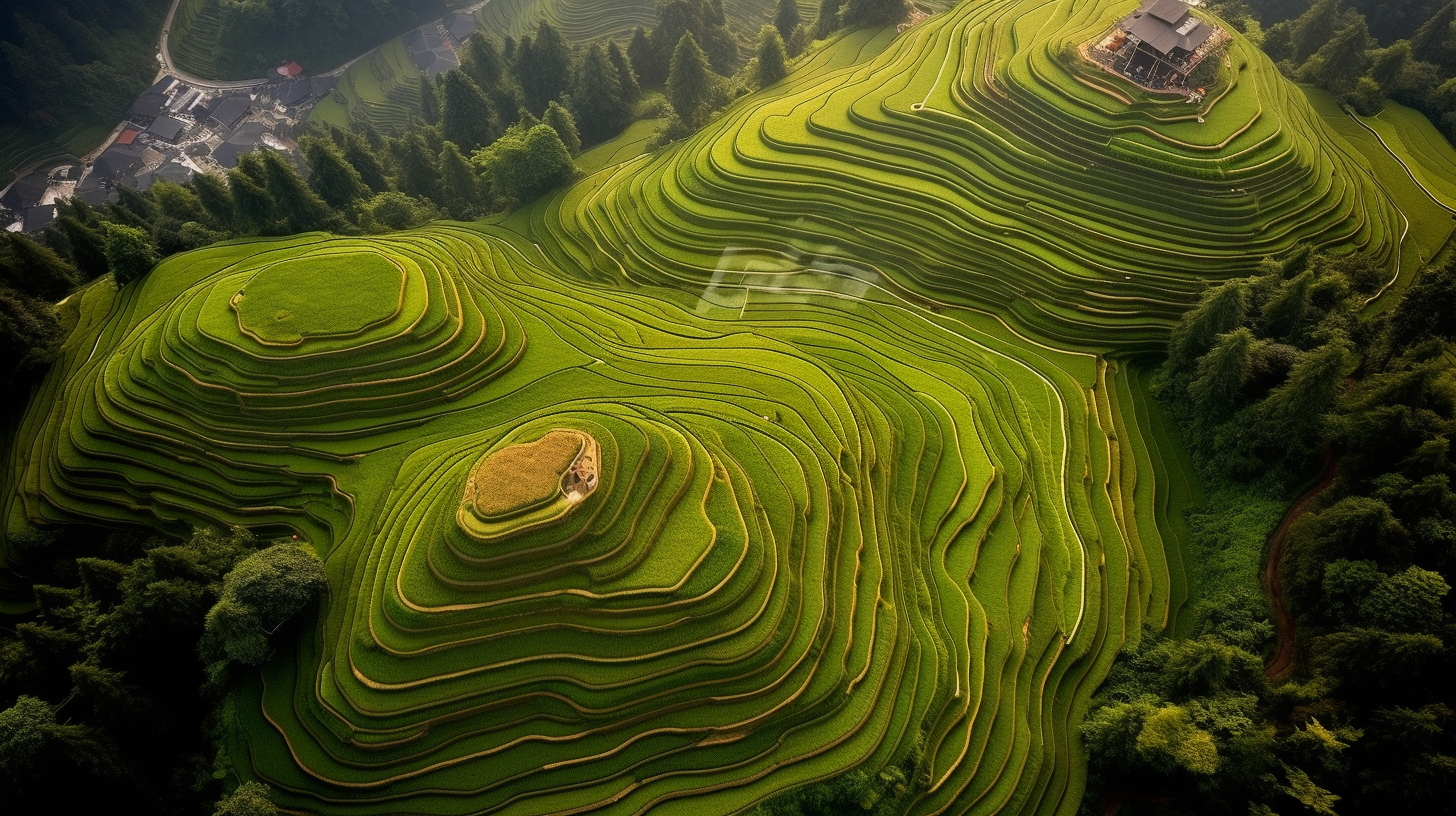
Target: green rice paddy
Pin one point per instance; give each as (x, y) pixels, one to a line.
(807, 445)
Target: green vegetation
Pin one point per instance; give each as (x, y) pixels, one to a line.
(243, 39)
(800, 467)
(68, 71)
(748, 478)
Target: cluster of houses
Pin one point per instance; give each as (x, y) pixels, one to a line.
(432, 47)
(172, 131)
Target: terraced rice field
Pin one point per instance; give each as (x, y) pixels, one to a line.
(381, 89)
(969, 164)
(592, 20)
(805, 446)
(195, 38)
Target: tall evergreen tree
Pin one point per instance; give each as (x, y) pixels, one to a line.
(1435, 40)
(256, 213)
(1220, 309)
(861, 13)
(827, 22)
(772, 59)
(626, 77)
(364, 160)
(1222, 372)
(460, 185)
(333, 178)
(468, 119)
(178, 202)
(33, 269)
(1313, 29)
(301, 209)
(429, 102)
(786, 18)
(647, 61)
(690, 82)
(544, 69)
(598, 101)
(87, 245)
(482, 62)
(217, 200)
(1340, 63)
(418, 176)
(560, 120)
(704, 20)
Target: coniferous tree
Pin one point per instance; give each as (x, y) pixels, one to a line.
(300, 208)
(1222, 372)
(256, 213)
(1339, 64)
(483, 63)
(861, 13)
(333, 178)
(178, 202)
(1435, 40)
(704, 20)
(134, 206)
(772, 59)
(1221, 309)
(647, 61)
(33, 269)
(598, 101)
(690, 82)
(460, 184)
(363, 159)
(544, 69)
(626, 77)
(828, 20)
(87, 245)
(29, 334)
(468, 118)
(217, 200)
(429, 102)
(786, 18)
(560, 120)
(417, 174)
(1312, 29)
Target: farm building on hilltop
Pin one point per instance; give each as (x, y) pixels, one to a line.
(1159, 44)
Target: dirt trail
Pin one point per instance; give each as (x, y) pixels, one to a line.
(1283, 658)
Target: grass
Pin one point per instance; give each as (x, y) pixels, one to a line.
(877, 479)
(318, 297)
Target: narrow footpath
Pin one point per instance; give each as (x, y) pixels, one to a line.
(1283, 659)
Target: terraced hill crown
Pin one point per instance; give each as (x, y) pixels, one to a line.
(605, 548)
(979, 160)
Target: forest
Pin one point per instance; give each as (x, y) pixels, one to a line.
(126, 651)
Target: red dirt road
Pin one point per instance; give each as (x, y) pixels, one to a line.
(1283, 659)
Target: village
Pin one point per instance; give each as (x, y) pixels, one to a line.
(178, 128)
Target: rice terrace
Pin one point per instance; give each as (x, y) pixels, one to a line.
(818, 444)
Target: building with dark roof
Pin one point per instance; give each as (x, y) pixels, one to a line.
(117, 162)
(1161, 42)
(38, 218)
(25, 192)
(168, 171)
(293, 94)
(459, 25)
(231, 111)
(166, 128)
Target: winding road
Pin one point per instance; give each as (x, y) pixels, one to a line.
(1283, 659)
